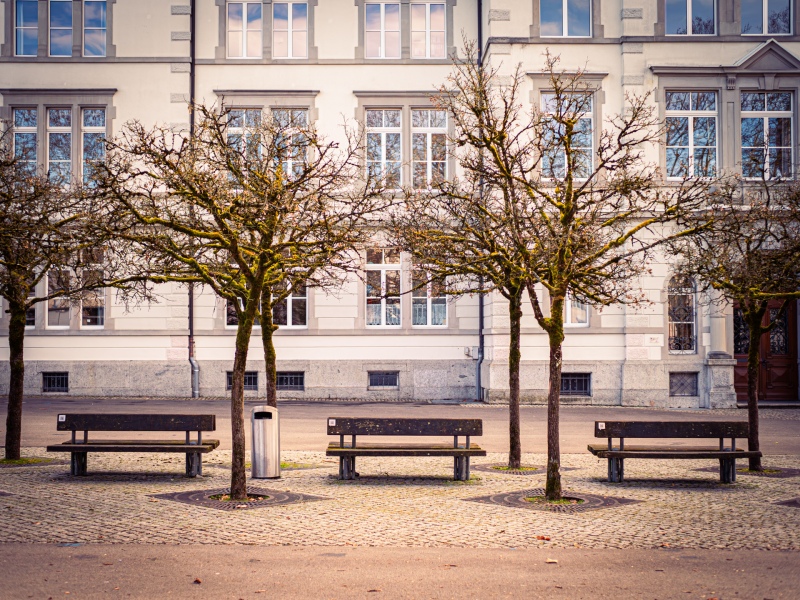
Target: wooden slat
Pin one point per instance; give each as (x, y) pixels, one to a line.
(675, 454)
(131, 422)
(595, 448)
(411, 427)
(141, 447)
(671, 429)
(336, 451)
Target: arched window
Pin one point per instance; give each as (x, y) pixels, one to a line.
(682, 315)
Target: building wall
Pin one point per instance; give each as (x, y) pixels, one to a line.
(143, 350)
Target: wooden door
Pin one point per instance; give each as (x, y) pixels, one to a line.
(778, 374)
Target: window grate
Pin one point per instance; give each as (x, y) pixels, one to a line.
(250, 381)
(384, 379)
(55, 382)
(683, 384)
(291, 381)
(576, 384)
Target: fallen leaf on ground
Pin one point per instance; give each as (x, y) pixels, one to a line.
(551, 561)
(375, 590)
(198, 581)
(546, 538)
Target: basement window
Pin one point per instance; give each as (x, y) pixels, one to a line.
(576, 384)
(55, 382)
(683, 384)
(250, 381)
(384, 379)
(291, 381)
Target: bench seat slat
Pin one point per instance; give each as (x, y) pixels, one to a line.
(143, 446)
(666, 448)
(680, 454)
(405, 450)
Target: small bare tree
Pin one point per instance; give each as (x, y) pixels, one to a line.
(570, 208)
(751, 258)
(249, 207)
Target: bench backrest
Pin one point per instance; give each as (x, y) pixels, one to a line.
(122, 422)
(671, 429)
(361, 426)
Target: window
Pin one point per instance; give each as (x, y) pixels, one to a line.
(30, 316)
(25, 133)
(382, 34)
(94, 134)
(290, 30)
(761, 17)
(428, 302)
(766, 134)
(691, 134)
(55, 382)
(384, 153)
(576, 384)
(384, 379)
(690, 17)
(58, 308)
(59, 144)
(292, 143)
(92, 301)
(291, 381)
(94, 28)
(683, 384)
(383, 287)
(244, 30)
(232, 318)
(565, 18)
(292, 310)
(428, 31)
(429, 147)
(554, 163)
(681, 315)
(60, 27)
(250, 381)
(576, 313)
(243, 124)
(26, 25)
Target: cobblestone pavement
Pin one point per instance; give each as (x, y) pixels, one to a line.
(398, 502)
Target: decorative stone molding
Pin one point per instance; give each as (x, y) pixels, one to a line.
(499, 15)
(178, 98)
(179, 67)
(181, 36)
(180, 9)
(633, 48)
(633, 80)
(632, 13)
(721, 392)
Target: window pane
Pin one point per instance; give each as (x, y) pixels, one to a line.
(419, 311)
(27, 13)
(705, 131)
(418, 17)
(373, 284)
(437, 17)
(677, 162)
(93, 148)
(298, 311)
(299, 44)
(392, 118)
(254, 44)
(392, 283)
(705, 162)
(551, 18)
(779, 16)
(677, 100)
(780, 101)
(27, 42)
(437, 44)
(419, 146)
(25, 146)
(418, 44)
(579, 19)
(279, 313)
(59, 117)
(280, 44)
(752, 132)
(676, 17)
(703, 17)
(677, 131)
(780, 132)
(438, 146)
(392, 44)
(300, 16)
(391, 17)
(373, 17)
(61, 13)
(60, 146)
(94, 14)
(254, 15)
(25, 117)
(235, 15)
(94, 42)
(94, 117)
(780, 162)
(704, 101)
(752, 101)
(752, 16)
(752, 162)
(373, 44)
(61, 42)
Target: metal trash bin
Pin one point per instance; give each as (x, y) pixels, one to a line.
(265, 449)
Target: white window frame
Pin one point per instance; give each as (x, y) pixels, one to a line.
(291, 50)
(428, 31)
(103, 29)
(589, 115)
(569, 304)
(256, 322)
(91, 130)
(57, 304)
(100, 295)
(244, 31)
(689, 20)
(691, 114)
(423, 296)
(384, 131)
(692, 292)
(291, 121)
(61, 130)
(382, 54)
(765, 19)
(27, 130)
(289, 300)
(765, 115)
(20, 28)
(565, 20)
(246, 130)
(429, 132)
(383, 267)
(31, 311)
(50, 27)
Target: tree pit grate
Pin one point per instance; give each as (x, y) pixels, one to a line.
(794, 503)
(273, 498)
(517, 500)
(771, 472)
(526, 470)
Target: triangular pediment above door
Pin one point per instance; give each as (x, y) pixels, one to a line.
(768, 57)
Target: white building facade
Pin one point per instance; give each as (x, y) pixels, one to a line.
(73, 71)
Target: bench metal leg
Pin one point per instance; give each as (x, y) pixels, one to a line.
(77, 464)
(616, 470)
(461, 468)
(347, 467)
(194, 464)
(727, 470)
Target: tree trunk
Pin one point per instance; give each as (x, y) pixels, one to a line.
(16, 341)
(268, 328)
(753, 368)
(514, 441)
(556, 339)
(238, 446)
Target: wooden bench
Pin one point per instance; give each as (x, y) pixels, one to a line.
(616, 454)
(194, 449)
(355, 427)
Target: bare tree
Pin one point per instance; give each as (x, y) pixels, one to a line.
(751, 258)
(570, 208)
(49, 251)
(249, 207)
